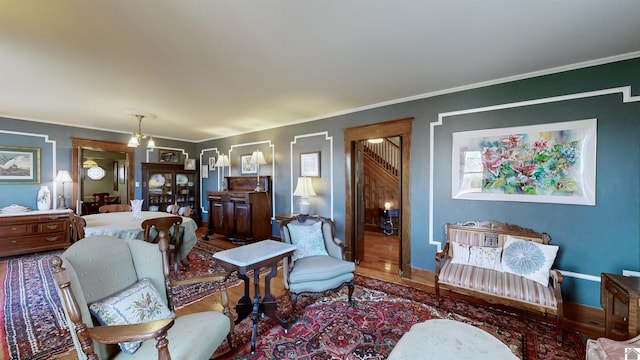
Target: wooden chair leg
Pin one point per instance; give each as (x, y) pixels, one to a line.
(351, 286)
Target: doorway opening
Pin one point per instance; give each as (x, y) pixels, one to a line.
(104, 168)
(359, 214)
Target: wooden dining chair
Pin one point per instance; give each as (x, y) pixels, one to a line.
(114, 208)
(99, 198)
(170, 225)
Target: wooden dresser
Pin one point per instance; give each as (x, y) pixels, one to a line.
(620, 299)
(241, 213)
(34, 231)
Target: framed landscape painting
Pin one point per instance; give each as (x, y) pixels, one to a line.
(547, 163)
(19, 165)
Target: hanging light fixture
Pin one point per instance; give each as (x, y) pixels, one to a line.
(89, 163)
(137, 136)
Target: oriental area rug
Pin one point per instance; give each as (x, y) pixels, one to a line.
(329, 328)
(34, 324)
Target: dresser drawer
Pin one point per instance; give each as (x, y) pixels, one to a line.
(51, 226)
(33, 243)
(618, 293)
(15, 229)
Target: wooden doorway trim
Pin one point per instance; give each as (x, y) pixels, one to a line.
(401, 128)
(77, 145)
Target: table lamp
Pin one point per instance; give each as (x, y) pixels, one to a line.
(63, 176)
(304, 189)
(223, 160)
(257, 158)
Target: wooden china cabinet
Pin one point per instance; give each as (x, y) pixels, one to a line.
(167, 184)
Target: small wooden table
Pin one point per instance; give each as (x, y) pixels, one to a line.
(620, 299)
(255, 256)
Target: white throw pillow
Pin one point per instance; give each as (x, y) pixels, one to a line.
(308, 240)
(528, 259)
(140, 302)
(460, 253)
(485, 257)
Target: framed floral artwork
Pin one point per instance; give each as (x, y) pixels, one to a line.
(546, 163)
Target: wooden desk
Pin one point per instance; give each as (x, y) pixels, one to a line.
(255, 256)
(620, 299)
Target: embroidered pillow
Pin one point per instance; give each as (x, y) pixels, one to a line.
(485, 257)
(460, 253)
(140, 302)
(308, 240)
(528, 259)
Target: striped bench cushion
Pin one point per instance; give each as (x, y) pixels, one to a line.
(497, 283)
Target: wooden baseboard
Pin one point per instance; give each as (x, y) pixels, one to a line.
(586, 320)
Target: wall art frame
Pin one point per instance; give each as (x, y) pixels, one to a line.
(169, 156)
(310, 164)
(546, 163)
(246, 167)
(19, 165)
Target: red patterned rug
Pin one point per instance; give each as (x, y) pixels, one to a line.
(328, 328)
(32, 314)
(33, 329)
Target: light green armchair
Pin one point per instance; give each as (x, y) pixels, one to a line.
(104, 274)
(317, 266)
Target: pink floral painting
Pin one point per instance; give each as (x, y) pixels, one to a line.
(536, 163)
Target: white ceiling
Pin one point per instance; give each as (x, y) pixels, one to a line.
(209, 69)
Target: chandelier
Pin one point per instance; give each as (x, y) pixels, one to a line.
(89, 163)
(138, 136)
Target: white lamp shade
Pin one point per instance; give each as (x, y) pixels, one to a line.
(133, 142)
(223, 160)
(151, 143)
(304, 187)
(63, 176)
(258, 158)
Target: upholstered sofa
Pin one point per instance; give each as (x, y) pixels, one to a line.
(501, 264)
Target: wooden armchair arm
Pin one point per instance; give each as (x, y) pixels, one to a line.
(556, 278)
(441, 255)
(135, 332)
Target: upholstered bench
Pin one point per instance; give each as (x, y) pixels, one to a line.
(501, 264)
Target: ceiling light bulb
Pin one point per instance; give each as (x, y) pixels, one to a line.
(151, 143)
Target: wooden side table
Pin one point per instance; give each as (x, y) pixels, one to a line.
(263, 254)
(620, 299)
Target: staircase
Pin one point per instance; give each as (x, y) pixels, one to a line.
(381, 183)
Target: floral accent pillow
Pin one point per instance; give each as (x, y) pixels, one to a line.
(485, 257)
(140, 302)
(308, 240)
(528, 259)
(460, 253)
